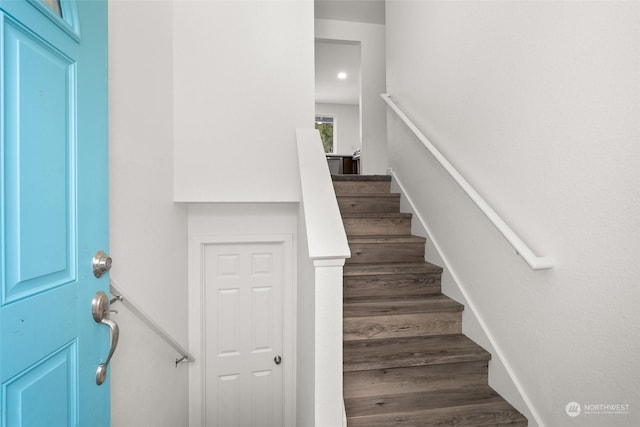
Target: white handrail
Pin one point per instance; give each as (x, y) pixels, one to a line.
(534, 261)
(327, 238)
(185, 356)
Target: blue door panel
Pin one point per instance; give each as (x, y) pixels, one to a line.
(34, 328)
(39, 152)
(28, 400)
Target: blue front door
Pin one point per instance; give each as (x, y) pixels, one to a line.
(53, 211)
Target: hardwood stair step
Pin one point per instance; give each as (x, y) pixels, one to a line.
(360, 355)
(390, 318)
(367, 307)
(379, 223)
(391, 269)
(369, 202)
(386, 249)
(400, 285)
(414, 378)
(468, 406)
(359, 178)
(385, 280)
(348, 184)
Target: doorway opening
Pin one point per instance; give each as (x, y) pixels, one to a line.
(338, 98)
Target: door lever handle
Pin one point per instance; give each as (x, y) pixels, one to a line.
(99, 309)
(101, 372)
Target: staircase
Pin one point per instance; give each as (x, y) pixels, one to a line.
(406, 362)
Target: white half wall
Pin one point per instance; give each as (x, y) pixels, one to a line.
(347, 125)
(148, 230)
(537, 105)
(372, 109)
(243, 82)
(306, 337)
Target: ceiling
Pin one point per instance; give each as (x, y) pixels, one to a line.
(369, 11)
(332, 57)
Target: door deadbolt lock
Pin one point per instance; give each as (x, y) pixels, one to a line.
(101, 263)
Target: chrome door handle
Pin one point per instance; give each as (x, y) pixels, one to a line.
(100, 309)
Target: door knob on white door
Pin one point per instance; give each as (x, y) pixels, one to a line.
(278, 360)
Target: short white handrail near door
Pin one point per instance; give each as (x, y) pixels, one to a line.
(534, 261)
(322, 253)
(185, 356)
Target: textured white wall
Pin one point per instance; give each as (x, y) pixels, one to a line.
(148, 231)
(348, 125)
(537, 105)
(372, 109)
(243, 82)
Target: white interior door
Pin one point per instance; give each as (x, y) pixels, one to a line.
(244, 361)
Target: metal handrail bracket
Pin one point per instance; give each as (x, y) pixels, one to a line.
(534, 261)
(185, 356)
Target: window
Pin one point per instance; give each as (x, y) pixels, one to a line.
(54, 5)
(63, 13)
(326, 125)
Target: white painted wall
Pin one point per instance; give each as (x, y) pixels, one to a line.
(348, 125)
(148, 231)
(213, 92)
(372, 38)
(537, 105)
(243, 82)
(147, 389)
(242, 218)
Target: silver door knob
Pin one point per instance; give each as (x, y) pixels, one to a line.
(101, 263)
(278, 360)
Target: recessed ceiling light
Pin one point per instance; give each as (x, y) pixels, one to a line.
(342, 75)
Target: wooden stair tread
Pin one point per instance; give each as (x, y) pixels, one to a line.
(386, 239)
(350, 177)
(377, 224)
(362, 307)
(349, 202)
(378, 382)
(379, 269)
(377, 215)
(410, 351)
(468, 406)
(368, 195)
(394, 318)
